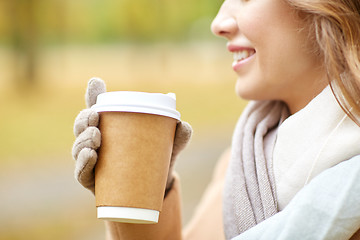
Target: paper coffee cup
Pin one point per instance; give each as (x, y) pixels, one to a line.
(137, 133)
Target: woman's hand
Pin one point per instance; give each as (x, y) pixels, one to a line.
(88, 139)
(88, 136)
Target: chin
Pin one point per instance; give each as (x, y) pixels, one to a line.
(247, 93)
(244, 92)
(250, 89)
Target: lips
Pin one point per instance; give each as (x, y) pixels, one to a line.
(241, 55)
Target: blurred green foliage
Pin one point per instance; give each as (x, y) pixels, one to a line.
(99, 21)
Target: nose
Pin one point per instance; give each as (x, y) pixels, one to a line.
(224, 24)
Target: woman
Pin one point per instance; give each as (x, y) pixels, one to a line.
(294, 163)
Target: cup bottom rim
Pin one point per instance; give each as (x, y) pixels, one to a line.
(128, 214)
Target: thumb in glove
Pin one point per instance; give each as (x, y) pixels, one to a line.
(95, 87)
(88, 136)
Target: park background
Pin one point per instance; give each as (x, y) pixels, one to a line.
(49, 49)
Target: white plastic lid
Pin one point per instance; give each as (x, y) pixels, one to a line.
(128, 215)
(140, 102)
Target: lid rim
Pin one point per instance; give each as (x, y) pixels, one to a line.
(141, 102)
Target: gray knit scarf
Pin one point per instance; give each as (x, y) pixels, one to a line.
(249, 195)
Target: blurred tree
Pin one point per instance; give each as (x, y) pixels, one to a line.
(31, 23)
(24, 40)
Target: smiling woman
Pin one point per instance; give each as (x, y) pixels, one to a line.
(306, 55)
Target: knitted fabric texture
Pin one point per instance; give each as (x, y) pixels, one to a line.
(249, 195)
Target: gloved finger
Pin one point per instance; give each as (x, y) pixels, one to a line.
(182, 137)
(90, 138)
(84, 169)
(95, 87)
(86, 118)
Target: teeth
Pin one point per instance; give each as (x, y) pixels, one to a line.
(240, 55)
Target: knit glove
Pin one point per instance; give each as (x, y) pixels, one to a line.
(88, 139)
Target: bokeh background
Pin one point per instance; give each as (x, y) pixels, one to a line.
(49, 49)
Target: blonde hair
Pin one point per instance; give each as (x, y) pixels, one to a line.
(335, 27)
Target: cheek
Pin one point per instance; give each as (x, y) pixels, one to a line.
(277, 59)
(260, 18)
(280, 48)
(252, 26)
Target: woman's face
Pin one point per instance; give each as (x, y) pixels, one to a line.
(272, 55)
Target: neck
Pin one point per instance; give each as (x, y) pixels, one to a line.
(299, 99)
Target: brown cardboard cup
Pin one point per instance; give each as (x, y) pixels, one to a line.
(137, 133)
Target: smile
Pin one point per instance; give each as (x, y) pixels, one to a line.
(241, 57)
(243, 54)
